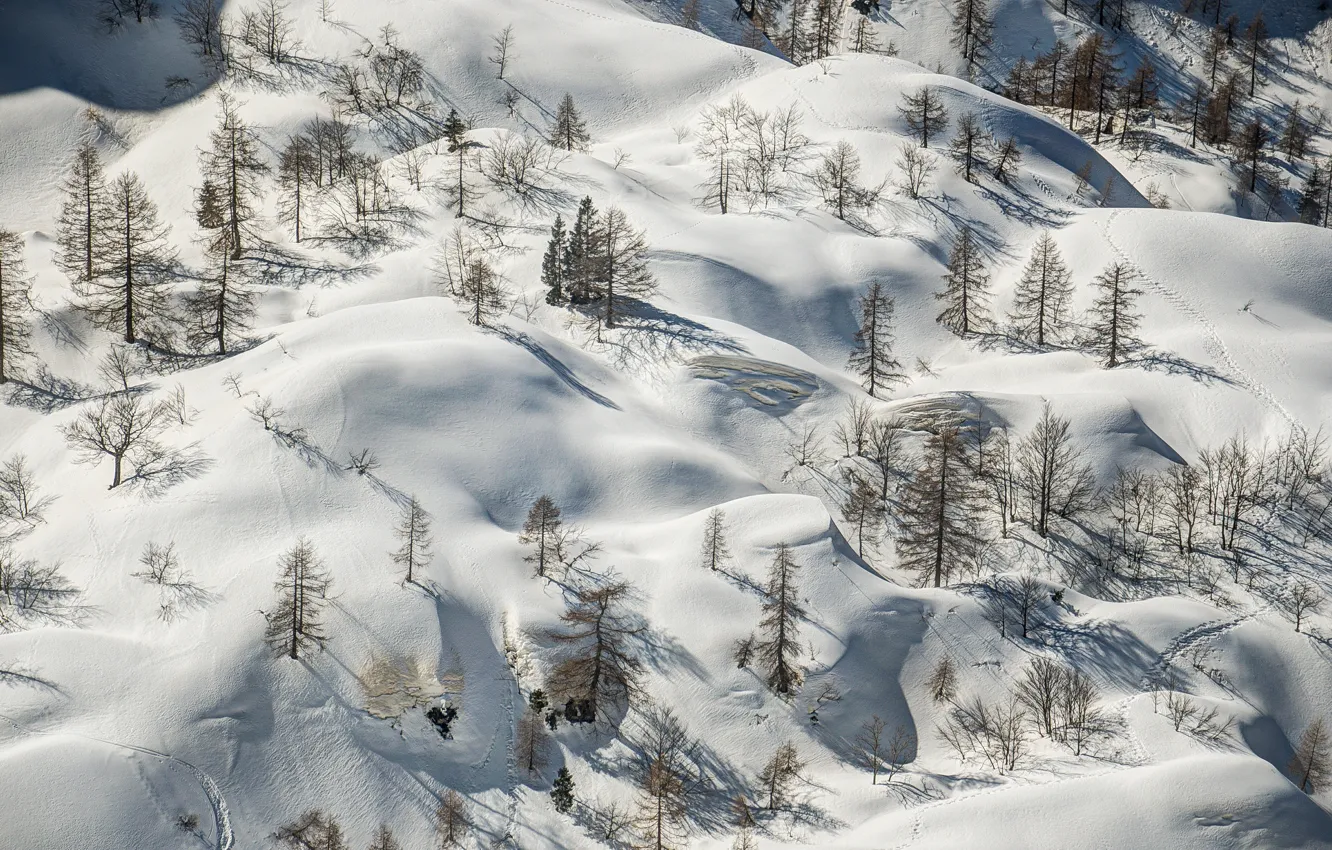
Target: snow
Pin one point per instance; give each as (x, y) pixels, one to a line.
(636, 439)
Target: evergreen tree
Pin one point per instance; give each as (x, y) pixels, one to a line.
(716, 552)
(1040, 305)
(621, 262)
(542, 531)
(580, 254)
(232, 164)
(1311, 198)
(1249, 151)
(779, 646)
(295, 624)
(872, 358)
(924, 113)
(15, 304)
(940, 521)
(298, 167)
(599, 665)
(569, 131)
(413, 533)
(455, 133)
(83, 217)
(966, 292)
(222, 308)
(562, 791)
(132, 263)
(552, 264)
(1113, 320)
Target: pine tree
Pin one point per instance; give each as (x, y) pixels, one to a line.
(924, 113)
(552, 264)
(413, 533)
(541, 531)
(295, 624)
(83, 217)
(940, 520)
(15, 304)
(599, 664)
(779, 647)
(872, 358)
(297, 168)
(223, 306)
(1113, 321)
(1040, 305)
(232, 164)
(966, 292)
(562, 791)
(132, 263)
(716, 552)
(621, 262)
(580, 254)
(1311, 198)
(569, 131)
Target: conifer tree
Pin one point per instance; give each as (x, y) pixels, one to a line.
(1311, 198)
(568, 131)
(872, 358)
(83, 216)
(482, 291)
(384, 839)
(660, 819)
(580, 254)
(940, 521)
(413, 534)
(132, 263)
(924, 113)
(779, 647)
(863, 511)
(542, 532)
(562, 791)
(455, 133)
(716, 551)
(296, 624)
(552, 263)
(779, 776)
(222, 308)
(1312, 761)
(297, 168)
(232, 163)
(966, 293)
(973, 28)
(599, 665)
(1113, 321)
(1007, 157)
(453, 819)
(1255, 48)
(1040, 305)
(15, 304)
(967, 144)
(621, 262)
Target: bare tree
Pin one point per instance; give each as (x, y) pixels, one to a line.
(1040, 304)
(862, 510)
(942, 683)
(232, 163)
(716, 551)
(1039, 690)
(124, 427)
(568, 130)
(1310, 764)
(872, 358)
(1049, 474)
(779, 647)
(314, 830)
(660, 812)
(453, 819)
(599, 665)
(1113, 320)
(917, 167)
(268, 30)
(924, 113)
(1184, 503)
(966, 292)
(296, 623)
(85, 217)
(200, 23)
(779, 776)
(532, 743)
(967, 145)
(413, 534)
(15, 304)
(1302, 599)
(1007, 158)
(21, 499)
(502, 51)
(223, 307)
(973, 28)
(939, 529)
(621, 262)
(384, 838)
(838, 181)
(995, 732)
(298, 169)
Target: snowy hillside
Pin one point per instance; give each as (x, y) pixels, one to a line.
(823, 481)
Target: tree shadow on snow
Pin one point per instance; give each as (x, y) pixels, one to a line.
(563, 372)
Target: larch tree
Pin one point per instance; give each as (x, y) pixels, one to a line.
(872, 357)
(298, 168)
(924, 114)
(384, 839)
(862, 510)
(15, 304)
(295, 624)
(599, 665)
(716, 551)
(502, 51)
(621, 262)
(453, 819)
(660, 817)
(1312, 761)
(1113, 320)
(568, 131)
(80, 231)
(455, 134)
(222, 308)
(972, 28)
(542, 531)
(414, 540)
(940, 527)
(778, 648)
(780, 775)
(1040, 304)
(233, 164)
(1255, 49)
(132, 265)
(1049, 474)
(838, 180)
(967, 144)
(966, 292)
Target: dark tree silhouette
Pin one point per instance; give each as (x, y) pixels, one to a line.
(779, 647)
(295, 624)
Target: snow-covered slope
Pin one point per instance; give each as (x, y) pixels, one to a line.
(115, 721)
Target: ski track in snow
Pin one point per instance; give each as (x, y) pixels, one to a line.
(1215, 345)
(225, 837)
(1183, 642)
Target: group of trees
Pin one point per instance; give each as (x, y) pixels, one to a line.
(318, 830)
(602, 260)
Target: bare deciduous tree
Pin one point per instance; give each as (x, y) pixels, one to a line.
(716, 551)
(541, 531)
(779, 647)
(502, 51)
(413, 534)
(1310, 764)
(780, 775)
(296, 623)
(599, 664)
